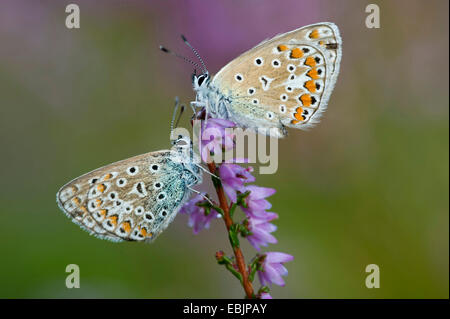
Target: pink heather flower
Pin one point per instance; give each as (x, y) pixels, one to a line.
(273, 268)
(233, 177)
(214, 137)
(265, 295)
(197, 218)
(256, 202)
(260, 229)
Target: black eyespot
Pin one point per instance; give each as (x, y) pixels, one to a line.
(158, 185)
(120, 181)
(148, 216)
(112, 195)
(238, 77)
(132, 169)
(305, 112)
(317, 86)
(291, 68)
(258, 61)
(319, 71)
(317, 59)
(313, 100)
(118, 203)
(164, 213)
(94, 180)
(139, 188)
(305, 50)
(161, 196)
(251, 91)
(292, 77)
(154, 167)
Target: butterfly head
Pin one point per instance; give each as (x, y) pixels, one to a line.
(200, 81)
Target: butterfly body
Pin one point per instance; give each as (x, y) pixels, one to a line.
(133, 199)
(283, 82)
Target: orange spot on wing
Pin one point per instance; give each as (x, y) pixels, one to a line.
(126, 226)
(313, 74)
(282, 47)
(298, 115)
(76, 200)
(113, 219)
(99, 202)
(314, 34)
(311, 86)
(101, 188)
(83, 209)
(103, 212)
(321, 42)
(107, 176)
(143, 231)
(296, 53)
(150, 235)
(310, 61)
(306, 99)
(295, 122)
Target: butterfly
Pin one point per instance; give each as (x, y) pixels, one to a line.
(282, 82)
(134, 199)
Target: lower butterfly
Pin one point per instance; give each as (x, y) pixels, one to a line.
(282, 82)
(133, 199)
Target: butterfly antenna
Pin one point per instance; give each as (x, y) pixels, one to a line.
(205, 70)
(164, 49)
(179, 115)
(177, 103)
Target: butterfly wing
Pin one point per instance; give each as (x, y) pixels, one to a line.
(284, 81)
(133, 199)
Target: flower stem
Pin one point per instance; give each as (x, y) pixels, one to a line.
(240, 261)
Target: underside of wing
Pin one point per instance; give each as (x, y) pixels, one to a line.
(126, 200)
(285, 81)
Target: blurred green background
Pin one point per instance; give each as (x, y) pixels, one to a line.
(367, 185)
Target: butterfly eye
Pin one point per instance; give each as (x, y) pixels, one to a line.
(201, 79)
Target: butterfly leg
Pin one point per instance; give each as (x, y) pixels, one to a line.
(207, 172)
(199, 193)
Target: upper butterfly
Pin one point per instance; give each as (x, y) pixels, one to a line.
(282, 82)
